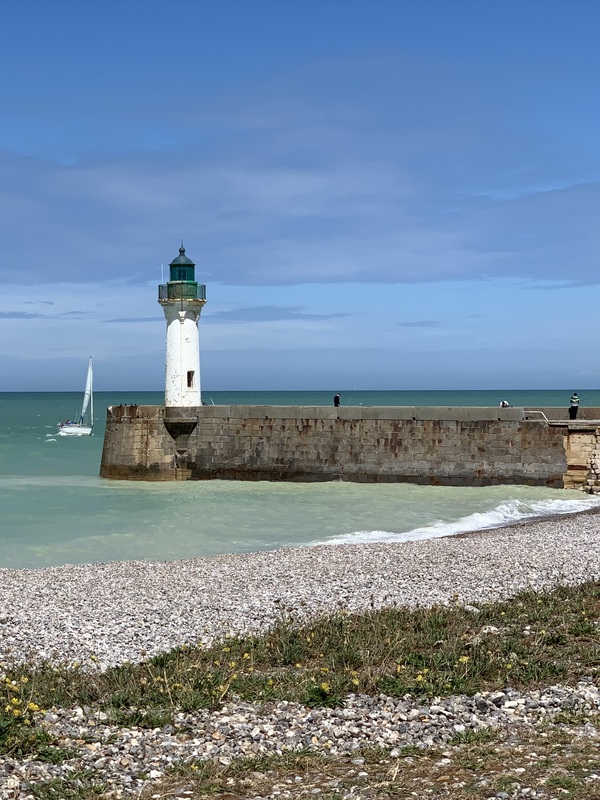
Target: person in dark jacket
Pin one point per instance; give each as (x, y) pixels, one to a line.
(336, 400)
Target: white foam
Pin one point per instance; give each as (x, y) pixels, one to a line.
(506, 513)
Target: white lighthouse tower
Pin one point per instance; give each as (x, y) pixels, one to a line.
(182, 300)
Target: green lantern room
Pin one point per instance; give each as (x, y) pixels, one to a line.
(182, 280)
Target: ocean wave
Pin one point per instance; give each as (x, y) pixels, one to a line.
(506, 513)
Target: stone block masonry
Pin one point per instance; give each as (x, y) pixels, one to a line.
(452, 446)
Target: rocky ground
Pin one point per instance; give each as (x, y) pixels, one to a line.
(127, 762)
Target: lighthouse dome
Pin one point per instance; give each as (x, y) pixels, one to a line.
(182, 260)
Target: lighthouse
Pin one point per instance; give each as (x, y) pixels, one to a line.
(182, 299)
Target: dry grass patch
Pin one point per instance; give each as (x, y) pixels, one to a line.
(554, 762)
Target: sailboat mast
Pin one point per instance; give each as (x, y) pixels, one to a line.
(91, 395)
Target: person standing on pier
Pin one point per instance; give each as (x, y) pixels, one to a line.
(336, 400)
(574, 407)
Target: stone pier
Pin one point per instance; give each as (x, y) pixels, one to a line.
(427, 445)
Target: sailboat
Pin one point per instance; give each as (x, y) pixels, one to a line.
(83, 425)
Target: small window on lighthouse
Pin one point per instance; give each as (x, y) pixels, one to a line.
(190, 379)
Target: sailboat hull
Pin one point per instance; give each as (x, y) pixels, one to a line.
(74, 430)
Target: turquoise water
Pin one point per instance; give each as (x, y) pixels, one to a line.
(56, 510)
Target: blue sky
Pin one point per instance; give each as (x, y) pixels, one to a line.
(378, 195)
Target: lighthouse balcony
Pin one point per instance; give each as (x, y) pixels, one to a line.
(182, 290)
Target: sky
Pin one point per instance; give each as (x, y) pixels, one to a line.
(378, 194)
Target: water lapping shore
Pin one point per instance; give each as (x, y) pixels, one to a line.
(104, 614)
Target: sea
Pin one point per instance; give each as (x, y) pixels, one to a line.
(55, 509)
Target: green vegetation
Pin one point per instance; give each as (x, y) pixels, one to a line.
(528, 641)
(531, 640)
(83, 785)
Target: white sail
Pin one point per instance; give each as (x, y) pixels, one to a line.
(83, 426)
(87, 394)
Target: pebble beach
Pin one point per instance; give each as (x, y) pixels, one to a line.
(99, 615)
(102, 614)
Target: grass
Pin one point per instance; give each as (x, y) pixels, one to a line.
(532, 640)
(529, 641)
(538, 761)
(83, 785)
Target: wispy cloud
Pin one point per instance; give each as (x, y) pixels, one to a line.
(267, 314)
(129, 320)
(20, 315)
(424, 323)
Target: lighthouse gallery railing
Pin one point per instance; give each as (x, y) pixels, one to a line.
(182, 291)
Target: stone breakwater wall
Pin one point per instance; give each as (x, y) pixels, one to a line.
(428, 445)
